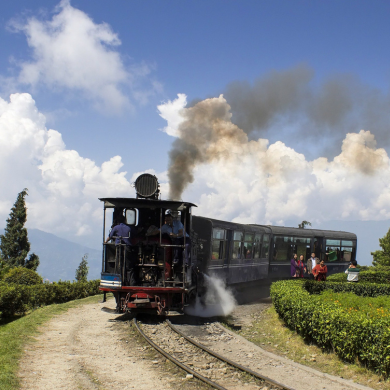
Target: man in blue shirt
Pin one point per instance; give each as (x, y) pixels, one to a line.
(175, 229)
(122, 233)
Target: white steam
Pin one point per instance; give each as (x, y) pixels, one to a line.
(219, 301)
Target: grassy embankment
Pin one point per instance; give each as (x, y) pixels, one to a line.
(16, 333)
(270, 333)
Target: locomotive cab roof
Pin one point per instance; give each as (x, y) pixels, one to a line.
(146, 203)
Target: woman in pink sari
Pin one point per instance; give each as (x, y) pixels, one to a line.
(294, 266)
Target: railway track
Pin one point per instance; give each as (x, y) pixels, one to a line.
(200, 361)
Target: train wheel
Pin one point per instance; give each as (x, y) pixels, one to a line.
(190, 298)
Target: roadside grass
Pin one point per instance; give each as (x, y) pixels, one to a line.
(16, 333)
(269, 332)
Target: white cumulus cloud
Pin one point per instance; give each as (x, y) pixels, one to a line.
(63, 186)
(171, 112)
(72, 52)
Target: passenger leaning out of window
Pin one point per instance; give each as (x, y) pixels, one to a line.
(320, 271)
(352, 271)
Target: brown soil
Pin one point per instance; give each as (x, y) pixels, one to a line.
(87, 349)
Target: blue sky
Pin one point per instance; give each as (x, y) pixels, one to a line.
(199, 49)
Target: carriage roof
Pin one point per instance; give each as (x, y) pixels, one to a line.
(146, 203)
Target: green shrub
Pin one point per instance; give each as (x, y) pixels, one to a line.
(372, 276)
(359, 288)
(22, 275)
(338, 277)
(18, 299)
(331, 321)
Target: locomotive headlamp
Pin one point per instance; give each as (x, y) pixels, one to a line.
(146, 186)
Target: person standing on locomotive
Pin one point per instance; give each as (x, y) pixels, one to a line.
(175, 229)
(122, 233)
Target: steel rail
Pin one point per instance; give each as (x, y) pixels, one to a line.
(226, 360)
(175, 361)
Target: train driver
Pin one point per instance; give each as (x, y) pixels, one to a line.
(175, 229)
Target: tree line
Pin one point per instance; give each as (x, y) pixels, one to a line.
(15, 246)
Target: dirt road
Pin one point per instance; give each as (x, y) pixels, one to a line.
(84, 349)
(87, 348)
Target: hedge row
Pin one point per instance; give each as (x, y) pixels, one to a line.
(17, 298)
(352, 334)
(22, 275)
(382, 276)
(361, 289)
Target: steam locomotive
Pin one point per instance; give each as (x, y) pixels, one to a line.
(169, 272)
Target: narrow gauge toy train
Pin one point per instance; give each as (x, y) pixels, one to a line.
(237, 253)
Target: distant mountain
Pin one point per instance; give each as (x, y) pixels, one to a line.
(59, 258)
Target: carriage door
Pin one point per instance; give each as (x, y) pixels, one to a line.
(318, 247)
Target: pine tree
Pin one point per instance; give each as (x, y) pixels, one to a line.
(382, 257)
(32, 262)
(14, 243)
(82, 270)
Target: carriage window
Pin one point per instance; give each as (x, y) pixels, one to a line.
(333, 242)
(282, 248)
(265, 246)
(238, 236)
(333, 253)
(248, 246)
(344, 252)
(219, 234)
(237, 245)
(257, 246)
(302, 247)
(285, 247)
(219, 244)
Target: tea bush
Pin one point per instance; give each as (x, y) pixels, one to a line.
(381, 275)
(18, 299)
(358, 288)
(22, 275)
(343, 322)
